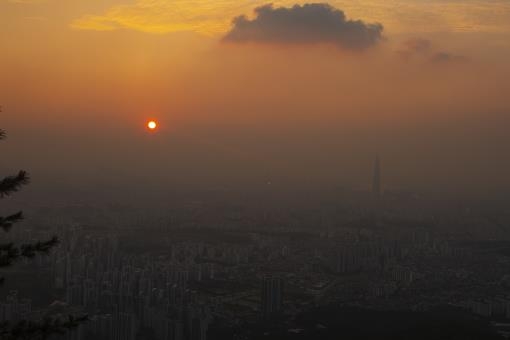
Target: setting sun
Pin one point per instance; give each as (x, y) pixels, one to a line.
(152, 125)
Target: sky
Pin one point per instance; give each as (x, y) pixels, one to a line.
(247, 92)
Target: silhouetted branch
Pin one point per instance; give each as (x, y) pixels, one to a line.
(12, 184)
(7, 222)
(9, 253)
(39, 330)
(3, 135)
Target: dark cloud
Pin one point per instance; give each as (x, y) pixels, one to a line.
(307, 24)
(445, 57)
(423, 48)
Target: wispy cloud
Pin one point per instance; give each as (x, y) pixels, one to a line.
(214, 16)
(26, 1)
(162, 16)
(446, 57)
(423, 49)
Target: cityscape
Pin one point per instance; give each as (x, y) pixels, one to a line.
(209, 272)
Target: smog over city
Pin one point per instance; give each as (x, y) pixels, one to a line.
(245, 170)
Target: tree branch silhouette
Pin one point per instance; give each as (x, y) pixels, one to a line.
(11, 253)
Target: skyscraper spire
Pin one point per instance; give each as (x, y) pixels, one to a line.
(376, 183)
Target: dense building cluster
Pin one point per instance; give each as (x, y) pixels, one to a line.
(169, 280)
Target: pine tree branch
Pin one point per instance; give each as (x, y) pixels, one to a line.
(7, 222)
(12, 184)
(9, 253)
(3, 135)
(40, 330)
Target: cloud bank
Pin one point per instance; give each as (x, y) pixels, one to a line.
(306, 24)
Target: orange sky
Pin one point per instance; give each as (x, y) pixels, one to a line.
(108, 65)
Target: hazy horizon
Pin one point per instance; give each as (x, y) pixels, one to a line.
(429, 94)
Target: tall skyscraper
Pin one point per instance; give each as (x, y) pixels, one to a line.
(272, 296)
(376, 183)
